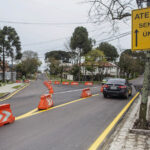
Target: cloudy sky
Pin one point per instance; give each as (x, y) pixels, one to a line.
(45, 25)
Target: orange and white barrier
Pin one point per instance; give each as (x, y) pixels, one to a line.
(102, 88)
(26, 81)
(86, 93)
(88, 83)
(45, 102)
(56, 82)
(49, 82)
(51, 91)
(74, 83)
(6, 115)
(65, 83)
(18, 81)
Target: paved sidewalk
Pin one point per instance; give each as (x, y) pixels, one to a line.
(122, 139)
(8, 88)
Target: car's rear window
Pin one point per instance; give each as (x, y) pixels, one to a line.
(116, 81)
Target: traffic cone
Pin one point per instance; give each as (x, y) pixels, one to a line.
(45, 102)
(86, 93)
(6, 115)
(102, 88)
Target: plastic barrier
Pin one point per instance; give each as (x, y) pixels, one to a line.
(56, 82)
(26, 81)
(51, 91)
(49, 82)
(46, 84)
(65, 83)
(45, 102)
(101, 90)
(74, 83)
(86, 93)
(88, 83)
(6, 115)
(18, 81)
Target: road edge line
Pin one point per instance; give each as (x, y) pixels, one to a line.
(15, 92)
(97, 143)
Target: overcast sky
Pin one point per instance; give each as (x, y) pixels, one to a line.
(63, 17)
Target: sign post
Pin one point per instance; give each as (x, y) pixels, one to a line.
(141, 41)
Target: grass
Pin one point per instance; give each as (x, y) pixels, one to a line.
(2, 94)
(16, 87)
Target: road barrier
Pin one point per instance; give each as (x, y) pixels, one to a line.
(102, 88)
(51, 91)
(18, 81)
(45, 102)
(6, 115)
(65, 83)
(49, 82)
(56, 82)
(86, 93)
(26, 81)
(74, 83)
(88, 83)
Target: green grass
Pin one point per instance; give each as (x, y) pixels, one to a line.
(16, 87)
(2, 94)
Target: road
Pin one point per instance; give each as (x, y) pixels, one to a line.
(71, 125)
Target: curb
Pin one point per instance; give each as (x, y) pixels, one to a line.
(13, 93)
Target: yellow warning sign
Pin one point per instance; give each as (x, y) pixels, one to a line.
(141, 29)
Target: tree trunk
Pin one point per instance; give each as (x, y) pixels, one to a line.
(145, 90)
(3, 64)
(12, 69)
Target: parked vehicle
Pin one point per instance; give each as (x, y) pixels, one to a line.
(117, 87)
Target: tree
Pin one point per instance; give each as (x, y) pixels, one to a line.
(29, 63)
(93, 60)
(9, 45)
(109, 51)
(80, 44)
(58, 55)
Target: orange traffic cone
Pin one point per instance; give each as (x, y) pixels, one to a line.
(45, 102)
(6, 115)
(101, 90)
(86, 93)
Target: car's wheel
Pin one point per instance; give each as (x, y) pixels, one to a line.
(127, 95)
(105, 95)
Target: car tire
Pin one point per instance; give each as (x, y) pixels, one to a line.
(127, 95)
(105, 95)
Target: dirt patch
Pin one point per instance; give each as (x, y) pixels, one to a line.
(139, 125)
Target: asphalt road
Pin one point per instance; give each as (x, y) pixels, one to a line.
(73, 126)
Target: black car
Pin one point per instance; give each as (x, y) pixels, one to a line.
(117, 87)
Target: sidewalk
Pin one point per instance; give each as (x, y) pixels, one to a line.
(122, 139)
(8, 88)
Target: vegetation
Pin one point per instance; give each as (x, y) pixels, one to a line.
(80, 44)
(9, 46)
(16, 87)
(109, 50)
(29, 64)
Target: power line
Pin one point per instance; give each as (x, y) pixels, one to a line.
(44, 23)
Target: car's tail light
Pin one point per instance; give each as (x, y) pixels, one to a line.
(123, 87)
(105, 86)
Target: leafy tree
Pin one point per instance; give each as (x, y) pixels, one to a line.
(9, 45)
(109, 50)
(80, 43)
(29, 63)
(93, 60)
(58, 55)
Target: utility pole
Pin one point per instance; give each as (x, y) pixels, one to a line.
(145, 90)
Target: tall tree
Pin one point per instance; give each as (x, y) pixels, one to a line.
(9, 45)
(93, 60)
(80, 43)
(109, 50)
